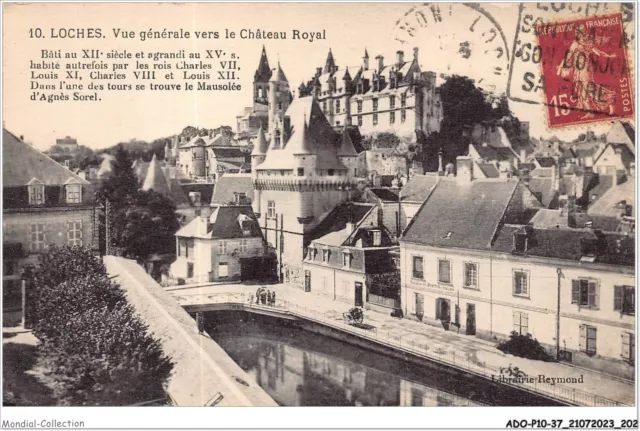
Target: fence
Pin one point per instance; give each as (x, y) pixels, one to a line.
(334, 320)
(381, 300)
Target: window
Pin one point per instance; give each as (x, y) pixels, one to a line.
(324, 106)
(359, 120)
(276, 134)
(377, 236)
(223, 270)
(521, 283)
(8, 267)
(346, 259)
(624, 299)
(470, 275)
(325, 256)
(271, 209)
(392, 102)
(403, 100)
(190, 245)
(74, 193)
(628, 347)
(37, 237)
(521, 322)
(403, 116)
(300, 172)
(74, 233)
(36, 194)
(392, 117)
(337, 105)
(311, 253)
(359, 106)
(588, 339)
(375, 119)
(330, 172)
(243, 245)
(375, 104)
(222, 247)
(444, 271)
(418, 267)
(198, 213)
(182, 247)
(279, 105)
(585, 293)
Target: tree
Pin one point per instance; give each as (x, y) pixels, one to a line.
(463, 105)
(96, 348)
(121, 187)
(145, 227)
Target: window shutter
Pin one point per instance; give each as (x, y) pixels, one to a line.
(516, 321)
(575, 291)
(625, 344)
(438, 301)
(583, 337)
(591, 339)
(593, 294)
(618, 292)
(79, 229)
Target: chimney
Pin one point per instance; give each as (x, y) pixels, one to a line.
(350, 226)
(318, 71)
(440, 164)
(380, 63)
(523, 155)
(399, 59)
(22, 137)
(464, 169)
(415, 54)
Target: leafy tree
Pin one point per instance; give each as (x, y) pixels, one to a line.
(524, 346)
(122, 185)
(98, 351)
(463, 105)
(147, 226)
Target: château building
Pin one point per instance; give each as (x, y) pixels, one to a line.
(397, 98)
(300, 175)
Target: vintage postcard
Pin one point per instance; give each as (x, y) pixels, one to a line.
(319, 205)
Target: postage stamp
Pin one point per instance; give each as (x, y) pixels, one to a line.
(585, 71)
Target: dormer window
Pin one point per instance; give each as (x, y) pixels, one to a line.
(325, 255)
(239, 198)
(346, 258)
(311, 254)
(74, 193)
(376, 237)
(36, 192)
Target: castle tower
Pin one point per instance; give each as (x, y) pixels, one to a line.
(330, 64)
(259, 152)
(279, 99)
(261, 81)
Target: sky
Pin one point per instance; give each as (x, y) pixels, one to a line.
(382, 29)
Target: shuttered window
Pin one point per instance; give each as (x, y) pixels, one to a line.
(624, 299)
(628, 347)
(521, 283)
(588, 339)
(585, 293)
(418, 267)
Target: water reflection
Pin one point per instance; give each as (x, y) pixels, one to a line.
(298, 368)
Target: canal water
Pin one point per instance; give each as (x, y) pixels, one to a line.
(300, 368)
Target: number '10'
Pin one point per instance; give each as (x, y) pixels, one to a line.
(35, 32)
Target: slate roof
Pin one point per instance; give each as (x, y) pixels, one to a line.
(311, 133)
(155, 179)
(631, 132)
(228, 184)
(489, 170)
(21, 163)
(549, 218)
(418, 187)
(490, 153)
(226, 222)
(461, 215)
(337, 219)
(546, 162)
(617, 249)
(606, 205)
(228, 153)
(542, 188)
(387, 195)
(598, 187)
